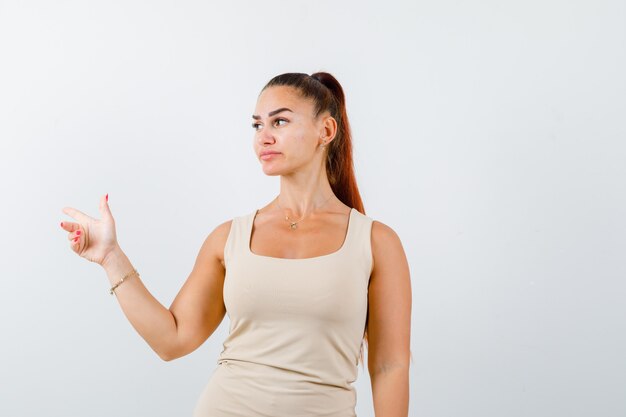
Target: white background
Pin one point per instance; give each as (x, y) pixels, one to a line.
(489, 135)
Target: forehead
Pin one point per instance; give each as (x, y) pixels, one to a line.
(282, 96)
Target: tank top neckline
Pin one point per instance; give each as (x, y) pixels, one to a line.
(314, 258)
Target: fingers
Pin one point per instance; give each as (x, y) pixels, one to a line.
(77, 214)
(70, 226)
(76, 233)
(76, 241)
(75, 236)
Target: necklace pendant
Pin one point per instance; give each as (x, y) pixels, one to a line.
(293, 226)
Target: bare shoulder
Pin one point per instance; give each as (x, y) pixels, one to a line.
(387, 247)
(384, 237)
(221, 230)
(216, 240)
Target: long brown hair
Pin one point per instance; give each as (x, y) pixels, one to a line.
(327, 95)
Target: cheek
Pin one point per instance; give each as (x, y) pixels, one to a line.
(303, 146)
(304, 139)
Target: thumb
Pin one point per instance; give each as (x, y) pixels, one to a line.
(105, 211)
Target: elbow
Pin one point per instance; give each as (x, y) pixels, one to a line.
(167, 352)
(166, 356)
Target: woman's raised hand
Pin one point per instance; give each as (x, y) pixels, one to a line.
(91, 238)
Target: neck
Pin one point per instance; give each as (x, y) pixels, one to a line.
(302, 194)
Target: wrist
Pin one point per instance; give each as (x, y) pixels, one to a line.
(112, 258)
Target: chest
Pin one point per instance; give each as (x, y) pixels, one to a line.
(325, 291)
(277, 239)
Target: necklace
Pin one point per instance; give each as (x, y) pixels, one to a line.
(293, 224)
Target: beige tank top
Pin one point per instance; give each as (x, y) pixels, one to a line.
(296, 325)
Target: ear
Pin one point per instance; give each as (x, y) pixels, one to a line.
(328, 130)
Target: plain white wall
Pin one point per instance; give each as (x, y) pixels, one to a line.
(489, 135)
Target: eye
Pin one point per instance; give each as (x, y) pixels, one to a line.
(255, 126)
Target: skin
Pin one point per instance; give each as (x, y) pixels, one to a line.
(198, 308)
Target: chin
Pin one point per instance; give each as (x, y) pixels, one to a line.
(271, 174)
(273, 171)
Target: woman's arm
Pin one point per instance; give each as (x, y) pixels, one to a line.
(195, 313)
(389, 324)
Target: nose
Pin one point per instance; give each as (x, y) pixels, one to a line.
(265, 136)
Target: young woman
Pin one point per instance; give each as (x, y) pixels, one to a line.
(305, 280)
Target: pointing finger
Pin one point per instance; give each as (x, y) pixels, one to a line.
(77, 214)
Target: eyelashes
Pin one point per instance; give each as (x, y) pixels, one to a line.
(256, 124)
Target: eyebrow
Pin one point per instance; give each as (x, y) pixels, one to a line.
(273, 112)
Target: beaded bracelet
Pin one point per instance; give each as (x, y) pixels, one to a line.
(134, 271)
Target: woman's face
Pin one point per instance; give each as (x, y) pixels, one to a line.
(283, 122)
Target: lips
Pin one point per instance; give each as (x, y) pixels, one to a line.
(265, 155)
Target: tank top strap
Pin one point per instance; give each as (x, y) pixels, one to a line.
(359, 247)
(237, 237)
